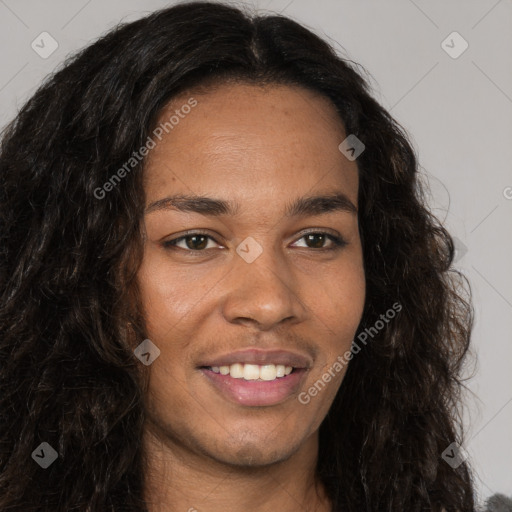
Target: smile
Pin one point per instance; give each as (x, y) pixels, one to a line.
(248, 371)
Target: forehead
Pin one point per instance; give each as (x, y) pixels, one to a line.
(250, 140)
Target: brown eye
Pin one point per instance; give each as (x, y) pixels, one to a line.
(194, 242)
(316, 240)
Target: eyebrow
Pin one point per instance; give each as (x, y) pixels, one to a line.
(302, 206)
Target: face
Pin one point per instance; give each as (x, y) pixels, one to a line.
(245, 281)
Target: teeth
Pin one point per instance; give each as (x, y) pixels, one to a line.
(254, 371)
(268, 372)
(251, 372)
(236, 371)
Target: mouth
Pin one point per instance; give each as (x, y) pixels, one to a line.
(254, 385)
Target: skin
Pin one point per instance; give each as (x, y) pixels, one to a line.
(263, 147)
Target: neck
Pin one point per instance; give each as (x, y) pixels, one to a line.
(179, 479)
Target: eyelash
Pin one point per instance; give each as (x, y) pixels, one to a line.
(338, 242)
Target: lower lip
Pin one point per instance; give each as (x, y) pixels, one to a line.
(256, 392)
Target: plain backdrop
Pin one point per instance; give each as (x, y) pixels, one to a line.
(451, 91)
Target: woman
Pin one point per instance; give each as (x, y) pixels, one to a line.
(121, 348)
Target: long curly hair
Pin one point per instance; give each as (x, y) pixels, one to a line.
(70, 309)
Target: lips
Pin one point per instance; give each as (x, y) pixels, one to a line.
(260, 357)
(255, 393)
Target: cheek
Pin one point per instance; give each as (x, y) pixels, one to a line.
(169, 292)
(338, 307)
(339, 297)
(338, 304)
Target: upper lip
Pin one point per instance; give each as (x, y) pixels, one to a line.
(260, 357)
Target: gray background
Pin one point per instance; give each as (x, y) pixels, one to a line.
(457, 110)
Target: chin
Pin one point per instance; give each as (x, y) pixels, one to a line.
(252, 455)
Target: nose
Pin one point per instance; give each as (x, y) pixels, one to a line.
(264, 293)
